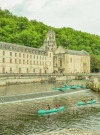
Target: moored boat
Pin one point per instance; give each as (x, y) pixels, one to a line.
(53, 110)
(87, 102)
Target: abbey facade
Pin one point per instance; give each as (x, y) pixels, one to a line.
(47, 59)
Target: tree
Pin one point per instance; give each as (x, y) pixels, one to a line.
(95, 63)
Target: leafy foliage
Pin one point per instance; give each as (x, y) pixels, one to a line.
(31, 33)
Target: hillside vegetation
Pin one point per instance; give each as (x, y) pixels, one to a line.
(32, 33)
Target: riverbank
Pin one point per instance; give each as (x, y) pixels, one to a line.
(15, 79)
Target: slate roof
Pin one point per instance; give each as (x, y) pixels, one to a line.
(41, 48)
(21, 46)
(74, 52)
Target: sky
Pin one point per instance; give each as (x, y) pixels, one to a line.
(83, 15)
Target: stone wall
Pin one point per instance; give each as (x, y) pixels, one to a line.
(33, 79)
(94, 84)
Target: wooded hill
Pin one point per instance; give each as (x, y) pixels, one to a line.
(32, 33)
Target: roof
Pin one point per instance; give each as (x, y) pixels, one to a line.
(74, 52)
(41, 48)
(21, 46)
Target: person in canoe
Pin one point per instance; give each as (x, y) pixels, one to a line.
(84, 101)
(57, 106)
(91, 99)
(48, 107)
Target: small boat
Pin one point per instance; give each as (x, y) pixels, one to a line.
(82, 86)
(66, 86)
(53, 110)
(74, 87)
(54, 88)
(87, 102)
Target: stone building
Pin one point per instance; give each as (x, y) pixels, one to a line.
(66, 61)
(47, 59)
(71, 61)
(22, 59)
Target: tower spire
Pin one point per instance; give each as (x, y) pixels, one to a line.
(50, 41)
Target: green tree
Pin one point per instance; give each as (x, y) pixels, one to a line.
(95, 63)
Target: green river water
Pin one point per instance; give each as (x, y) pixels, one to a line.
(19, 119)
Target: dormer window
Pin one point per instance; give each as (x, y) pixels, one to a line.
(3, 46)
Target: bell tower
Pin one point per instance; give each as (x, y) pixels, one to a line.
(50, 41)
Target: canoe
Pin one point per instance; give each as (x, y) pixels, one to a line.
(53, 110)
(66, 86)
(88, 102)
(82, 86)
(74, 87)
(54, 88)
(71, 87)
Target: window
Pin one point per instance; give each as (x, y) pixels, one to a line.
(3, 60)
(10, 60)
(19, 70)
(34, 70)
(19, 54)
(15, 60)
(37, 57)
(27, 70)
(30, 56)
(23, 55)
(10, 48)
(60, 63)
(50, 37)
(70, 59)
(10, 70)
(15, 54)
(27, 55)
(40, 70)
(3, 52)
(10, 53)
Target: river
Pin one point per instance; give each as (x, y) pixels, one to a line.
(19, 119)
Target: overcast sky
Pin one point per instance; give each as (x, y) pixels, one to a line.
(81, 15)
